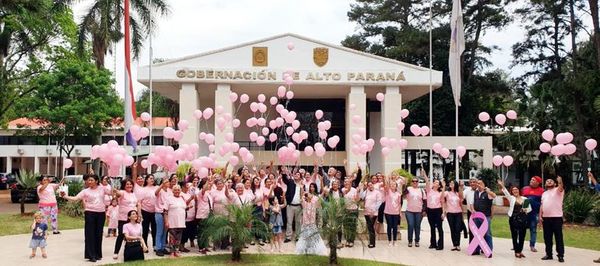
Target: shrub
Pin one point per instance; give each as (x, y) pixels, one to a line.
(182, 170)
(596, 216)
(406, 174)
(490, 177)
(578, 204)
(73, 208)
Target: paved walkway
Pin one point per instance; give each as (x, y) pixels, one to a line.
(67, 249)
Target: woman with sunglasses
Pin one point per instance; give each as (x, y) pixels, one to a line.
(414, 211)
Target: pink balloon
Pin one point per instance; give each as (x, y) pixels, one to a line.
(211, 148)
(233, 160)
(557, 150)
(352, 106)
(424, 130)
(320, 151)
(568, 137)
(207, 113)
(331, 142)
(253, 136)
(308, 150)
(281, 91)
(400, 126)
(288, 80)
(279, 121)
(384, 141)
(356, 119)
(437, 147)
(295, 124)
(404, 113)
(198, 114)
(322, 134)
(385, 151)
(403, 143)
(562, 138)
(511, 114)
(253, 107)
(289, 95)
(67, 163)
(591, 144)
(548, 135)
(248, 158)
(144, 132)
(545, 147)
(289, 131)
(178, 135)
(261, 98)
(570, 149)
(260, 140)
(507, 160)
(145, 117)
(296, 138)
(219, 109)
(209, 139)
(235, 123)
(303, 134)
(167, 133)
(279, 108)
(272, 137)
(244, 98)
(380, 97)
(265, 131)
(327, 124)
(201, 136)
(229, 137)
(290, 46)
(144, 163)
(484, 117)
(221, 123)
(497, 160)
(261, 121)
(318, 114)
(273, 100)
(415, 129)
(500, 119)
(445, 153)
(233, 97)
(183, 125)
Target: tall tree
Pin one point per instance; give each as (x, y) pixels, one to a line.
(27, 30)
(102, 24)
(73, 102)
(161, 106)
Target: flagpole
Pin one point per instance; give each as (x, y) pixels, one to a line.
(149, 170)
(430, 88)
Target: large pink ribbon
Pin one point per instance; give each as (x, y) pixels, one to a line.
(478, 235)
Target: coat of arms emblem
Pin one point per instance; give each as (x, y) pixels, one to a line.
(320, 56)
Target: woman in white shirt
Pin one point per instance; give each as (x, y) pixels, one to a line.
(518, 209)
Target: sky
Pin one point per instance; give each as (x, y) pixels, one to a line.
(199, 26)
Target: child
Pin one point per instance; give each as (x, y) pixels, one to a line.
(112, 216)
(39, 235)
(276, 223)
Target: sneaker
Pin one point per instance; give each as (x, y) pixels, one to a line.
(287, 240)
(560, 259)
(115, 257)
(394, 243)
(159, 253)
(390, 244)
(410, 244)
(533, 249)
(417, 244)
(597, 261)
(92, 260)
(547, 257)
(56, 233)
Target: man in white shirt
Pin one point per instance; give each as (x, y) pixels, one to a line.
(469, 196)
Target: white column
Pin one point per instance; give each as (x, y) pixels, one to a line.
(188, 102)
(9, 164)
(222, 99)
(355, 105)
(36, 165)
(390, 116)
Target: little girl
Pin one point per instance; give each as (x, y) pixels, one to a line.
(276, 223)
(112, 216)
(39, 235)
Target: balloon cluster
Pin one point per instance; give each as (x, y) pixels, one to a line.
(498, 160)
(177, 135)
(439, 149)
(388, 144)
(419, 131)
(113, 155)
(563, 143)
(167, 157)
(499, 118)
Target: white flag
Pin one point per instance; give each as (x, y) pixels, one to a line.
(457, 46)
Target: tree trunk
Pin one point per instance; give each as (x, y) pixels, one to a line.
(236, 254)
(22, 201)
(333, 255)
(596, 25)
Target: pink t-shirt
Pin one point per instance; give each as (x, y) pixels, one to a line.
(350, 197)
(191, 212)
(434, 199)
(176, 208)
(414, 199)
(453, 203)
(132, 230)
(309, 210)
(219, 201)
(202, 205)
(93, 199)
(107, 198)
(552, 203)
(161, 200)
(372, 201)
(148, 198)
(48, 195)
(392, 203)
(127, 202)
(113, 216)
(138, 190)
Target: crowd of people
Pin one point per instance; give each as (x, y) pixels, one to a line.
(174, 212)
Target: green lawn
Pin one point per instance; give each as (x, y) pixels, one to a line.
(257, 259)
(577, 236)
(14, 224)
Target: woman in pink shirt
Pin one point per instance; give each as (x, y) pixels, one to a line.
(93, 200)
(219, 201)
(373, 200)
(414, 211)
(135, 246)
(310, 241)
(351, 197)
(176, 207)
(148, 205)
(127, 202)
(435, 212)
(393, 204)
(105, 183)
(454, 198)
(189, 234)
(47, 204)
(203, 208)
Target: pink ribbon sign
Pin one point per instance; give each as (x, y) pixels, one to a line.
(478, 235)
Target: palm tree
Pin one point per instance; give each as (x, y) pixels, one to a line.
(28, 182)
(335, 218)
(102, 24)
(240, 226)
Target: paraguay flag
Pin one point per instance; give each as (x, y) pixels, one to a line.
(130, 113)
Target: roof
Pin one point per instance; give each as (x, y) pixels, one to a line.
(19, 123)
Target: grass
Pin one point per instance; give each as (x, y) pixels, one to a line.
(257, 259)
(577, 236)
(14, 224)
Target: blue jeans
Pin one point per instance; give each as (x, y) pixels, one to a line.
(488, 234)
(161, 233)
(533, 222)
(413, 219)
